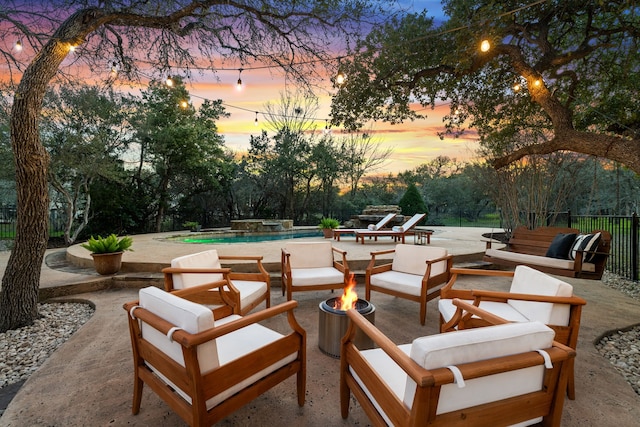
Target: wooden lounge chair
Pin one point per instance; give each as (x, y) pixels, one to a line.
(310, 266)
(508, 374)
(378, 226)
(416, 273)
(397, 233)
(533, 296)
(246, 289)
(204, 369)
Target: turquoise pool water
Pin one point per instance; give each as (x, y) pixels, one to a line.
(246, 237)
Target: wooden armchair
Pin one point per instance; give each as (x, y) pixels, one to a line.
(246, 290)
(205, 369)
(311, 266)
(416, 273)
(480, 377)
(533, 296)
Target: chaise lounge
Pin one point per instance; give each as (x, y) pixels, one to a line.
(397, 232)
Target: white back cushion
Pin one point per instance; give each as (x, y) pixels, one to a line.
(412, 259)
(206, 259)
(310, 254)
(470, 345)
(527, 280)
(184, 314)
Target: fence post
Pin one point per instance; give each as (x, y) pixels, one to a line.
(568, 218)
(634, 246)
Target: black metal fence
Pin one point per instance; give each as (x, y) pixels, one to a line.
(624, 230)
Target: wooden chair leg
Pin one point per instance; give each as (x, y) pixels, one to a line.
(138, 384)
(571, 385)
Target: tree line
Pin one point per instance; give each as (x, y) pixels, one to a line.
(132, 164)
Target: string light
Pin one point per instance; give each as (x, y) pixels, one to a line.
(255, 122)
(114, 69)
(169, 81)
(72, 48)
(18, 46)
(239, 83)
(485, 45)
(184, 104)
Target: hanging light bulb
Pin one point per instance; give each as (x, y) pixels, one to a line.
(485, 45)
(255, 122)
(18, 46)
(239, 83)
(327, 128)
(340, 77)
(114, 69)
(169, 81)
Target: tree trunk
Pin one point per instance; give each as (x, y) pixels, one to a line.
(21, 280)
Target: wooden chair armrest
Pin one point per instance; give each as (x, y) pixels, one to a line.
(174, 270)
(573, 300)
(218, 331)
(435, 260)
(241, 257)
(383, 252)
(420, 375)
(477, 311)
(380, 268)
(343, 263)
(481, 272)
(193, 290)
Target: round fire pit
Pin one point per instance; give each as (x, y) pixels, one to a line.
(333, 324)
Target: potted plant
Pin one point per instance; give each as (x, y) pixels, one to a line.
(192, 225)
(327, 225)
(107, 252)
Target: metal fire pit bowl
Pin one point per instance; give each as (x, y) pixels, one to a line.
(333, 324)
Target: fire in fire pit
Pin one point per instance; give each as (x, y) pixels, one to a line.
(333, 321)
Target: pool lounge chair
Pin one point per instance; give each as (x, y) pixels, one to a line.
(372, 227)
(397, 232)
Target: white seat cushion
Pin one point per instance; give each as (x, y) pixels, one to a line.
(194, 318)
(455, 348)
(388, 370)
(526, 280)
(250, 291)
(316, 276)
(410, 284)
(239, 343)
(187, 315)
(412, 259)
(206, 259)
(504, 310)
(310, 254)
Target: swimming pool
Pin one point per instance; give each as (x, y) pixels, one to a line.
(231, 237)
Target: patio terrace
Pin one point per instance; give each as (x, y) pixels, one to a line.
(88, 380)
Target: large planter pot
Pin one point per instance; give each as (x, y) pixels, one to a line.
(328, 233)
(106, 264)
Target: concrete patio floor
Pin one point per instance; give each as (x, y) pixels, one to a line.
(88, 380)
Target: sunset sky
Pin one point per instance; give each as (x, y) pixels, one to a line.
(413, 143)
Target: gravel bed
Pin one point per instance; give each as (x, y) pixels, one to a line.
(622, 348)
(23, 350)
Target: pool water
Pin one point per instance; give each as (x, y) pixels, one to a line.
(247, 237)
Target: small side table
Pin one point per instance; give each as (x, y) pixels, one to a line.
(422, 237)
